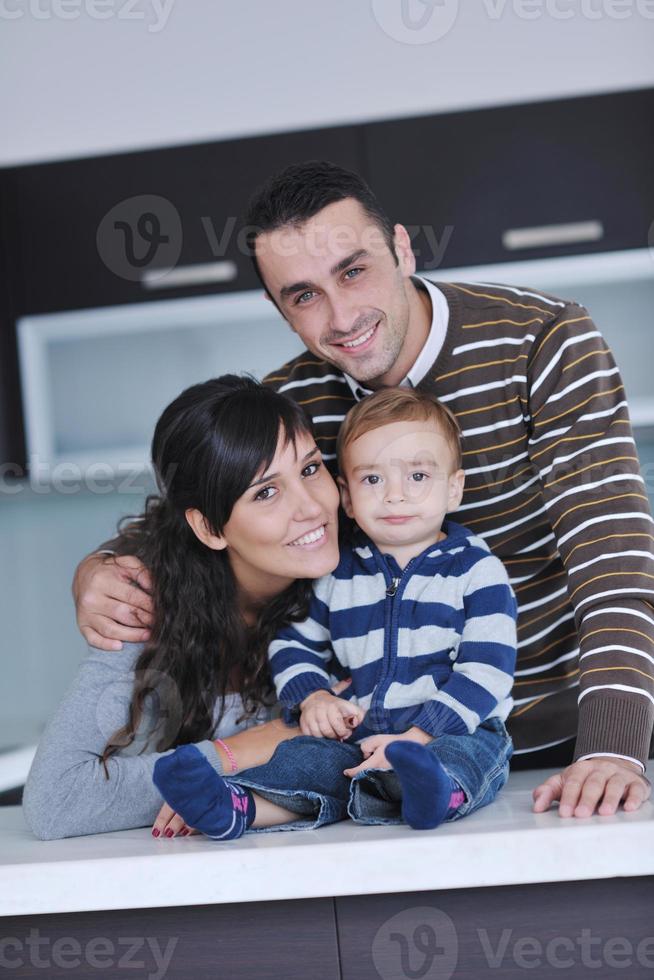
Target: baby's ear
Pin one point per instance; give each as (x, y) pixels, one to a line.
(346, 500)
(456, 481)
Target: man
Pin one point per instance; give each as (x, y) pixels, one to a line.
(552, 476)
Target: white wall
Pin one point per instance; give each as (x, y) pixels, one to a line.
(160, 72)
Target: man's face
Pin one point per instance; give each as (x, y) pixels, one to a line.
(337, 283)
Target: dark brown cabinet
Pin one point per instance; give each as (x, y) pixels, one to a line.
(464, 183)
(471, 177)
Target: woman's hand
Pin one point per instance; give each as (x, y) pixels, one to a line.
(112, 600)
(601, 783)
(326, 716)
(170, 824)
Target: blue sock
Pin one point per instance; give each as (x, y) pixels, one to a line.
(206, 801)
(427, 790)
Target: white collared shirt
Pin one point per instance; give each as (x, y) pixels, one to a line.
(432, 347)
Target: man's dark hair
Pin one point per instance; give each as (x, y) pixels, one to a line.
(299, 192)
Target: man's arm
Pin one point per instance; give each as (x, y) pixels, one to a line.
(582, 445)
(112, 594)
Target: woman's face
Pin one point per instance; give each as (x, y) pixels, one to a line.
(284, 526)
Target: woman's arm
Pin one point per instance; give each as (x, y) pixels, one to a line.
(67, 793)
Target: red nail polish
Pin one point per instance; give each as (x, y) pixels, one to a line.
(169, 832)
(155, 832)
(185, 832)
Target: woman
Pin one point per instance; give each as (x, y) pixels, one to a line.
(246, 515)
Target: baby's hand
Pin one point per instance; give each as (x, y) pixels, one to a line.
(374, 746)
(374, 755)
(325, 716)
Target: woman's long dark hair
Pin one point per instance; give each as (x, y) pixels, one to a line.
(209, 446)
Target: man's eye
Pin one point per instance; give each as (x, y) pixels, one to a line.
(372, 479)
(419, 477)
(311, 469)
(301, 299)
(353, 273)
(266, 493)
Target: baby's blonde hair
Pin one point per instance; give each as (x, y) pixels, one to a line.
(390, 405)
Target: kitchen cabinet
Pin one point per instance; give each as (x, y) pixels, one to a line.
(528, 181)
(506, 189)
(75, 243)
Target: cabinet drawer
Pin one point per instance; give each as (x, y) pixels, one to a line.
(527, 181)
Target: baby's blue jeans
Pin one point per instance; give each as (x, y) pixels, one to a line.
(305, 775)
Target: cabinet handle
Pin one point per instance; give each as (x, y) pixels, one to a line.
(200, 274)
(514, 239)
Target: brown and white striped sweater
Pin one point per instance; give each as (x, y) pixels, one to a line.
(553, 486)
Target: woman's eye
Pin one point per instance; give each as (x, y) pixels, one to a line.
(372, 479)
(418, 477)
(311, 469)
(266, 493)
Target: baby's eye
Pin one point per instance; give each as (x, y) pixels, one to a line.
(311, 469)
(419, 477)
(266, 493)
(372, 479)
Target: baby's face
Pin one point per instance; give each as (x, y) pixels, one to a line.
(398, 483)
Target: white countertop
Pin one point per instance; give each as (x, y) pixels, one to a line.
(505, 843)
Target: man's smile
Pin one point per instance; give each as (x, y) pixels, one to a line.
(362, 342)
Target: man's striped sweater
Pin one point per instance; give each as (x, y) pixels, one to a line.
(554, 488)
(433, 645)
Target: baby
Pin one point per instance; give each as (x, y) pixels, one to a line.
(422, 618)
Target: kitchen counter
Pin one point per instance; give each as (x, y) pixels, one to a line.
(503, 844)
(494, 894)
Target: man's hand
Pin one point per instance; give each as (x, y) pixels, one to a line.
(601, 782)
(325, 716)
(373, 749)
(112, 601)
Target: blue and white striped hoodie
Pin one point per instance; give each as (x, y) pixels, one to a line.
(433, 645)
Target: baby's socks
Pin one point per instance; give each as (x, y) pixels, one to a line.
(206, 801)
(427, 790)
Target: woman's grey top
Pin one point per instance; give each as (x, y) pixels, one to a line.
(67, 793)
